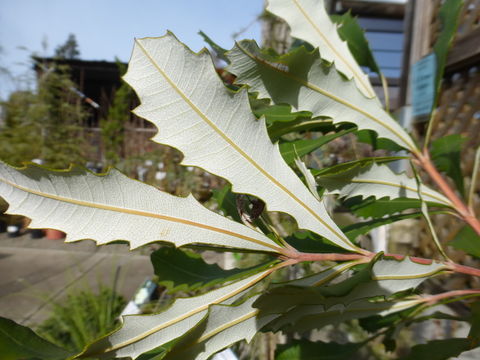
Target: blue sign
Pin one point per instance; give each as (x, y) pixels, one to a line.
(423, 85)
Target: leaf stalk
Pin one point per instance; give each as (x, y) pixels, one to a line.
(292, 256)
(467, 215)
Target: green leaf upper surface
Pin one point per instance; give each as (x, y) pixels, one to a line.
(309, 21)
(224, 326)
(310, 350)
(362, 228)
(375, 208)
(307, 177)
(299, 148)
(446, 155)
(20, 342)
(219, 51)
(181, 270)
(278, 113)
(301, 79)
(438, 349)
(356, 164)
(215, 129)
(306, 241)
(141, 333)
(449, 14)
(310, 317)
(378, 181)
(113, 207)
(384, 277)
(226, 202)
(350, 31)
(378, 143)
(321, 278)
(467, 240)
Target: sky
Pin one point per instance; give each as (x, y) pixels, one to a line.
(105, 29)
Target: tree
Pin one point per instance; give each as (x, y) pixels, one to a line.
(113, 125)
(44, 123)
(215, 129)
(69, 50)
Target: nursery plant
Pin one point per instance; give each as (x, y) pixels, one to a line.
(318, 89)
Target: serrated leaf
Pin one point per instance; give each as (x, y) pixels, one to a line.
(378, 181)
(362, 228)
(356, 164)
(449, 19)
(446, 155)
(224, 326)
(113, 207)
(141, 333)
(376, 322)
(351, 32)
(321, 278)
(291, 149)
(279, 113)
(306, 241)
(474, 333)
(181, 270)
(384, 277)
(226, 202)
(281, 120)
(318, 350)
(467, 240)
(214, 128)
(377, 143)
(20, 342)
(279, 129)
(438, 349)
(308, 177)
(310, 317)
(309, 21)
(285, 295)
(219, 51)
(301, 79)
(375, 208)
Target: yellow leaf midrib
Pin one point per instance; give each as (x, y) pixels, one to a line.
(400, 186)
(332, 48)
(189, 313)
(139, 213)
(328, 94)
(238, 149)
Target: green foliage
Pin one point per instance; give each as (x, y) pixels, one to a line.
(218, 50)
(350, 31)
(20, 342)
(68, 50)
(449, 19)
(362, 228)
(468, 241)
(375, 208)
(181, 270)
(20, 134)
(446, 155)
(82, 317)
(309, 350)
(45, 123)
(438, 349)
(298, 148)
(113, 125)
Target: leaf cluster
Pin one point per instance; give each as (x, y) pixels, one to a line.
(266, 135)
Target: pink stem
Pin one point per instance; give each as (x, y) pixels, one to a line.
(435, 298)
(293, 257)
(467, 215)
